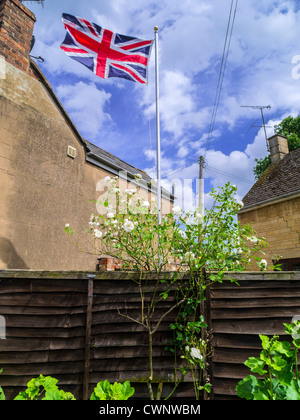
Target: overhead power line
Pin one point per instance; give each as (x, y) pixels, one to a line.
(227, 174)
(228, 37)
(35, 1)
(181, 168)
(226, 49)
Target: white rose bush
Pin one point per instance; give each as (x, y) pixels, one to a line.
(194, 249)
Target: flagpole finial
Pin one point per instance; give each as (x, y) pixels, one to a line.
(156, 28)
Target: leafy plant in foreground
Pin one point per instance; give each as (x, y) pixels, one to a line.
(117, 391)
(45, 388)
(278, 365)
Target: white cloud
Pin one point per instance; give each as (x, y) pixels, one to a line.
(86, 106)
(180, 110)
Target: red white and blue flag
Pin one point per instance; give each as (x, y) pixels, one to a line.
(105, 53)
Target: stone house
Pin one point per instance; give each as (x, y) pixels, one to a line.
(272, 206)
(48, 173)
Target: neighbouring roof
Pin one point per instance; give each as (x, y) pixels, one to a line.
(280, 180)
(95, 153)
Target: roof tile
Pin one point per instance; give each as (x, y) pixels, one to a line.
(278, 180)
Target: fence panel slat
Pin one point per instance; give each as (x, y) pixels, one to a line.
(260, 304)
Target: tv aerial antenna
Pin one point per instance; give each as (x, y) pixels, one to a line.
(263, 119)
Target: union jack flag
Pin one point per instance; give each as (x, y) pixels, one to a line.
(105, 53)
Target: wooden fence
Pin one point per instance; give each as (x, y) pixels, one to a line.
(69, 325)
(238, 314)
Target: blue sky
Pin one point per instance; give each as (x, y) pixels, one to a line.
(119, 115)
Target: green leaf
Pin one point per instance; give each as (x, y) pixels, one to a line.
(284, 375)
(126, 390)
(118, 391)
(292, 392)
(260, 396)
(279, 363)
(57, 395)
(50, 383)
(21, 396)
(53, 394)
(102, 391)
(282, 347)
(256, 365)
(247, 387)
(265, 341)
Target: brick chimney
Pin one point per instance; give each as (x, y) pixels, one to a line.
(278, 147)
(16, 29)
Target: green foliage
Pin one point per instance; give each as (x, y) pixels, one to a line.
(43, 388)
(290, 128)
(2, 395)
(117, 391)
(278, 365)
(261, 166)
(193, 349)
(127, 229)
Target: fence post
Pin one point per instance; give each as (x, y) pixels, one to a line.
(205, 310)
(87, 354)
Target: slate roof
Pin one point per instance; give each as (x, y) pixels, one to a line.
(114, 161)
(278, 181)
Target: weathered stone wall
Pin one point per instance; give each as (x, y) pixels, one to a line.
(279, 224)
(42, 188)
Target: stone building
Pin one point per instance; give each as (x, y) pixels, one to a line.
(48, 172)
(272, 206)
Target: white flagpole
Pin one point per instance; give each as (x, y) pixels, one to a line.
(157, 127)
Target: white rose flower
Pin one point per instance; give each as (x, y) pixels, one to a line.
(176, 210)
(67, 225)
(198, 215)
(145, 203)
(253, 239)
(93, 221)
(196, 353)
(263, 263)
(97, 233)
(110, 215)
(107, 178)
(240, 203)
(128, 225)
